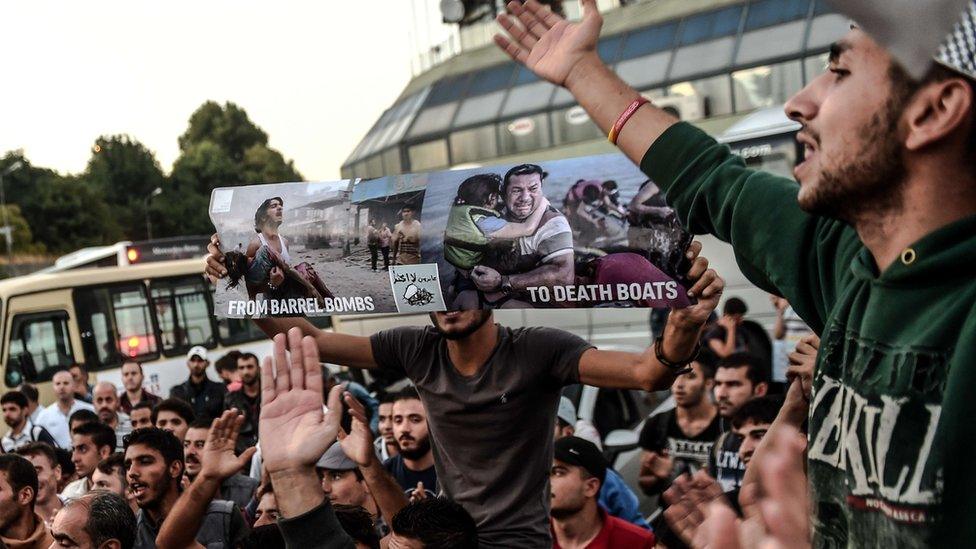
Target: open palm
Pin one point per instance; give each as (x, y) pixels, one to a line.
(546, 43)
(294, 430)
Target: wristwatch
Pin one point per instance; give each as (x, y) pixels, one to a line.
(506, 285)
(677, 368)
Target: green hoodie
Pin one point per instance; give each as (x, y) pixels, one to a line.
(891, 453)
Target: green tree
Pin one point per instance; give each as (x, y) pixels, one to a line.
(74, 215)
(264, 165)
(124, 172)
(23, 240)
(228, 126)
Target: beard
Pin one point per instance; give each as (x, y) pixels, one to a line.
(464, 331)
(566, 511)
(873, 182)
(423, 446)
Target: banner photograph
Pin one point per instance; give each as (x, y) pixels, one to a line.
(582, 232)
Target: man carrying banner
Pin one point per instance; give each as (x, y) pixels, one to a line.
(482, 384)
(882, 223)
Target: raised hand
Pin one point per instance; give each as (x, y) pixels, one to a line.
(419, 493)
(294, 431)
(707, 288)
(546, 43)
(689, 498)
(357, 444)
(218, 460)
(215, 269)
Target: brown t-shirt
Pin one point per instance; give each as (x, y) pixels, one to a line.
(492, 433)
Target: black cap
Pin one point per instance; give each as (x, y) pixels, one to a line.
(583, 453)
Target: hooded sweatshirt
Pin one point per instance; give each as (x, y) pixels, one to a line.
(40, 538)
(892, 436)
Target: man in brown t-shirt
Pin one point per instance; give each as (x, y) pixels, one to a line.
(491, 395)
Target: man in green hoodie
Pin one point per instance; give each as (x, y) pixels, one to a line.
(874, 249)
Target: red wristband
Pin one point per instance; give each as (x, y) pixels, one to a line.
(624, 117)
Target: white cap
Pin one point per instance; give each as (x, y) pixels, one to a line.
(197, 350)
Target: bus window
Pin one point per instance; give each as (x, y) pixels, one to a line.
(115, 322)
(39, 346)
(234, 331)
(182, 314)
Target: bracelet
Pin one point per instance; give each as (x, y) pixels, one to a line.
(678, 368)
(624, 117)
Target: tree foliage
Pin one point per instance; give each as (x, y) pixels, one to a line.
(107, 202)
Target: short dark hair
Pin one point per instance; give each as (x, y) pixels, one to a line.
(735, 306)
(109, 465)
(522, 169)
(177, 406)
(388, 398)
(20, 474)
(407, 207)
(249, 356)
(758, 410)
(754, 372)
(64, 460)
(408, 393)
(200, 423)
(84, 416)
(228, 361)
(14, 397)
(109, 517)
(40, 449)
(132, 361)
(160, 440)
(437, 522)
(79, 365)
(30, 392)
(102, 435)
(358, 524)
(141, 405)
(477, 189)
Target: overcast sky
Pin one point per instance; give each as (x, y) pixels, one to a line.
(314, 75)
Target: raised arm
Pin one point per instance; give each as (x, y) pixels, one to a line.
(618, 369)
(294, 432)
(218, 463)
(358, 445)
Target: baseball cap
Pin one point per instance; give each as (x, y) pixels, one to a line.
(566, 412)
(958, 51)
(582, 453)
(334, 459)
(197, 350)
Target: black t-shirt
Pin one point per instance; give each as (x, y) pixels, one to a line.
(689, 453)
(408, 479)
(491, 433)
(725, 466)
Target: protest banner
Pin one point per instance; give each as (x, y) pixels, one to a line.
(575, 233)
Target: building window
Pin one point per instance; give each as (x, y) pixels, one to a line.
(711, 25)
(773, 12)
(473, 144)
(767, 85)
(391, 161)
(572, 125)
(814, 66)
(374, 166)
(528, 133)
(649, 40)
(428, 156)
(714, 92)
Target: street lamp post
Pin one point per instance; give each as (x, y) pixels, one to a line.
(7, 230)
(156, 192)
